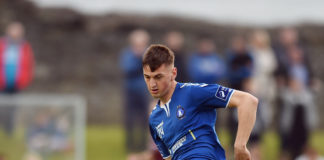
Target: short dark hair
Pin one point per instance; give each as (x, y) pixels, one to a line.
(156, 55)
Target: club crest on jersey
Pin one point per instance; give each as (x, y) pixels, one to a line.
(159, 130)
(222, 93)
(180, 112)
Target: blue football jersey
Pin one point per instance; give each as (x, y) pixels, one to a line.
(184, 127)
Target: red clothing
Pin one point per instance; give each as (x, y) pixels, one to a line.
(25, 66)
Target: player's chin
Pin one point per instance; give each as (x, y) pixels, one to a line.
(155, 95)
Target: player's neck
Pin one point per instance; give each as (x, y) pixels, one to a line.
(167, 97)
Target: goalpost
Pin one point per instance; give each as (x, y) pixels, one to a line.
(60, 117)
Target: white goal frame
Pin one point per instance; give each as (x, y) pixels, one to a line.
(77, 103)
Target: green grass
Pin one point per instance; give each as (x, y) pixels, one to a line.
(317, 141)
(270, 146)
(12, 147)
(107, 143)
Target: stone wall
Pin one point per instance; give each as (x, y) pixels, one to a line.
(76, 53)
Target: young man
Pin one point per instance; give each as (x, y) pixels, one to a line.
(182, 123)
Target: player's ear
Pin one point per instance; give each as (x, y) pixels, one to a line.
(174, 73)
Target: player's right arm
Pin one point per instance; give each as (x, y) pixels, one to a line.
(217, 96)
(246, 105)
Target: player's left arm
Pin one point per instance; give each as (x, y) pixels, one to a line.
(246, 105)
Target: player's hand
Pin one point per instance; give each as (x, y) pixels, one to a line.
(241, 153)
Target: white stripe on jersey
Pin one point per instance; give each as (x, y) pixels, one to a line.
(167, 108)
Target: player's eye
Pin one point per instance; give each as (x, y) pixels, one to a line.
(158, 77)
(147, 77)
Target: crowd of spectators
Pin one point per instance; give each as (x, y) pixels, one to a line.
(276, 70)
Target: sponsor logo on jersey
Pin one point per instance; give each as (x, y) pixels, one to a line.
(159, 130)
(178, 144)
(180, 112)
(222, 93)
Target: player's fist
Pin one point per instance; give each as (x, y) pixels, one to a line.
(241, 153)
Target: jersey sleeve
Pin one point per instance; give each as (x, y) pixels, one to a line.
(160, 145)
(211, 95)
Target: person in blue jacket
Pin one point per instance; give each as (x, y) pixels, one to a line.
(136, 97)
(205, 66)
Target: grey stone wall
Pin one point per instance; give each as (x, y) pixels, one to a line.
(76, 53)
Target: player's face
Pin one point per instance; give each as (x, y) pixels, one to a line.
(159, 82)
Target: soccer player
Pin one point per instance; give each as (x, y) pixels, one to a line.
(182, 123)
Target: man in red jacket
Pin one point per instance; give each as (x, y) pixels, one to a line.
(16, 66)
(16, 59)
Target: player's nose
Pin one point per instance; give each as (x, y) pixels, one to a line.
(152, 83)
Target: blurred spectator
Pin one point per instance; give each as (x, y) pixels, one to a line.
(136, 97)
(48, 134)
(265, 64)
(298, 110)
(59, 139)
(288, 38)
(152, 152)
(205, 66)
(16, 67)
(16, 59)
(240, 64)
(263, 75)
(240, 70)
(174, 40)
(38, 133)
